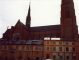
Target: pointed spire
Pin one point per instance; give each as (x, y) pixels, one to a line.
(29, 11)
(28, 18)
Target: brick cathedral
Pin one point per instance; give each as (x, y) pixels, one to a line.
(23, 42)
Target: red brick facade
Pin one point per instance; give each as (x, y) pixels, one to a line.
(23, 42)
(69, 30)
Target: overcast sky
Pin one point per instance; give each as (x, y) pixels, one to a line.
(43, 12)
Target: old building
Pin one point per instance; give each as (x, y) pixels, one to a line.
(56, 42)
(59, 50)
(38, 50)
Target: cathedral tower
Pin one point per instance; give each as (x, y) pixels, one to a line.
(28, 18)
(69, 30)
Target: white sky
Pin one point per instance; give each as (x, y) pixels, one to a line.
(43, 12)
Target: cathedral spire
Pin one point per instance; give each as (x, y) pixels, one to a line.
(69, 29)
(28, 18)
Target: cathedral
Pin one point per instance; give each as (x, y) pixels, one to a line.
(54, 42)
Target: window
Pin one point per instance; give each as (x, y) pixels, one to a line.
(6, 58)
(19, 47)
(37, 58)
(47, 56)
(73, 43)
(73, 49)
(66, 43)
(48, 48)
(4, 47)
(74, 57)
(23, 47)
(60, 48)
(11, 58)
(60, 43)
(67, 49)
(36, 48)
(29, 48)
(54, 48)
(54, 42)
(14, 47)
(61, 57)
(40, 48)
(67, 57)
(54, 57)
